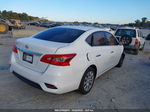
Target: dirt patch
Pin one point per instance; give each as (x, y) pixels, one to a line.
(146, 52)
(29, 31)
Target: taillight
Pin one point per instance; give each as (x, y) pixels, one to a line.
(58, 59)
(136, 42)
(14, 49)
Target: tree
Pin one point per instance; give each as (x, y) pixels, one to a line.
(143, 23)
(14, 15)
(4, 14)
(137, 23)
(131, 24)
(84, 23)
(144, 20)
(76, 22)
(96, 23)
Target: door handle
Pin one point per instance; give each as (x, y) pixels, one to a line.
(98, 55)
(112, 52)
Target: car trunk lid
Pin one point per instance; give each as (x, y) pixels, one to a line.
(30, 51)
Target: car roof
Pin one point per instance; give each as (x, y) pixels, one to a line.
(130, 28)
(84, 28)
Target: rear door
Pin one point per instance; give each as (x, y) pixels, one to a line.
(116, 49)
(100, 51)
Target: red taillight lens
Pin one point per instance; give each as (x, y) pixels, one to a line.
(51, 86)
(14, 49)
(58, 59)
(136, 42)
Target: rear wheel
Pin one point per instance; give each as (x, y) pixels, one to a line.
(87, 81)
(136, 51)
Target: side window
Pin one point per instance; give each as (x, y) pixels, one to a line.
(111, 39)
(140, 34)
(89, 39)
(99, 39)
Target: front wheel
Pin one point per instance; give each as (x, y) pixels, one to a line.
(87, 81)
(121, 61)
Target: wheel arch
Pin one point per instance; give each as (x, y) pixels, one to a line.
(80, 88)
(93, 66)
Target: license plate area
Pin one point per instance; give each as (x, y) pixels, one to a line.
(27, 57)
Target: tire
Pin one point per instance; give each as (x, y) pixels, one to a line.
(3, 28)
(121, 61)
(136, 51)
(87, 81)
(126, 40)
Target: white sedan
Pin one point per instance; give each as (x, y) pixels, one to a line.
(66, 58)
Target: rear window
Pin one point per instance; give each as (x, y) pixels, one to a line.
(62, 35)
(130, 32)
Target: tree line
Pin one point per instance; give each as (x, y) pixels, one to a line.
(144, 22)
(19, 16)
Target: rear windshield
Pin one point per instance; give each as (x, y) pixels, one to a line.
(63, 35)
(130, 32)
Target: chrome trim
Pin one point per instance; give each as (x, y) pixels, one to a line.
(30, 52)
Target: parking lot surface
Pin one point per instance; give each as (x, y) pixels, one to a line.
(121, 88)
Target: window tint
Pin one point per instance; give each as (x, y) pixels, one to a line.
(130, 32)
(63, 35)
(89, 40)
(112, 40)
(99, 39)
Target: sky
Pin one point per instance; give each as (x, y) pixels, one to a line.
(102, 11)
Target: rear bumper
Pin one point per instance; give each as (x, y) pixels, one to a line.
(27, 81)
(132, 47)
(62, 79)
